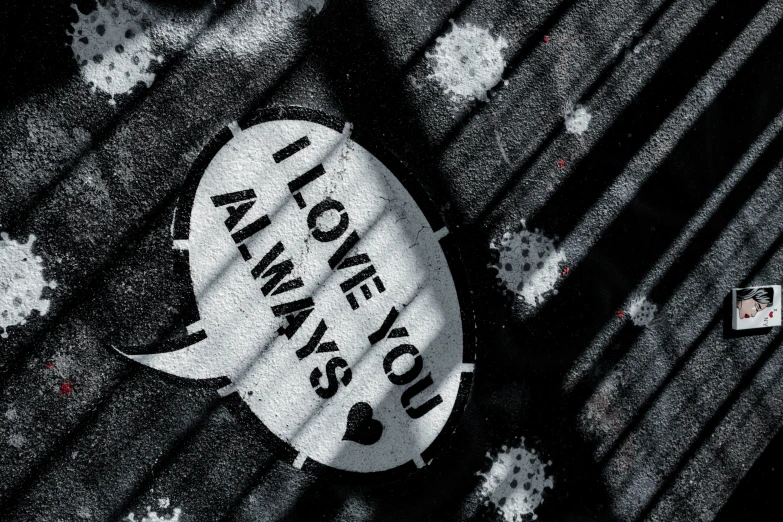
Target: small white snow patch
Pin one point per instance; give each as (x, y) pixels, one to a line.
(641, 311)
(21, 283)
(152, 516)
(577, 120)
(16, 440)
(529, 264)
(515, 484)
(467, 62)
(112, 48)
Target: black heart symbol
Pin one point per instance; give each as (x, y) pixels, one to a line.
(362, 428)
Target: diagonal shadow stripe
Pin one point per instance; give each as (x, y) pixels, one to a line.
(679, 73)
(711, 426)
(510, 184)
(706, 153)
(92, 285)
(684, 358)
(693, 253)
(100, 135)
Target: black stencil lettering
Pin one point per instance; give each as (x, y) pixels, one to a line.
(277, 272)
(358, 278)
(398, 332)
(385, 327)
(359, 259)
(235, 214)
(324, 236)
(331, 377)
(308, 177)
(285, 287)
(295, 321)
(347, 245)
(411, 374)
(414, 390)
(293, 306)
(267, 259)
(300, 200)
(289, 150)
(318, 334)
(233, 197)
(245, 252)
(257, 225)
(347, 285)
(328, 346)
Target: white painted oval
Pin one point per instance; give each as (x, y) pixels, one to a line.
(243, 340)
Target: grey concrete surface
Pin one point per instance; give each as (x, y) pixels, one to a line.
(670, 195)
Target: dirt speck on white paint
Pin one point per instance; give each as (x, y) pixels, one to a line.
(21, 283)
(528, 264)
(515, 483)
(641, 310)
(577, 120)
(112, 47)
(153, 516)
(467, 62)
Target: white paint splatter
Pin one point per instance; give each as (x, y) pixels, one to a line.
(163, 503)
(84, 513)
(21, 283)
(64, 365)
(152, 516)
(288, 8)
(641, 311)
(16, 440)
(515, 484)
(112, 48)
(577, 120)
(11, 414)
(528, 264)
(468, 62)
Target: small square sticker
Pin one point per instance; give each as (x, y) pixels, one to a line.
(755, 307)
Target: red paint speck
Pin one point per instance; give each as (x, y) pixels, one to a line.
(66, 388)
(620, 314)
(546, 38)
(566, 270)
(561, 163)
(770, 314)
(747, 316)
(49, 365)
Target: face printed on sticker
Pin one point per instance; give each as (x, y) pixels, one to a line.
(751, 301)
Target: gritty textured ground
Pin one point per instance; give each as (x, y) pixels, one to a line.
(640, 137)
